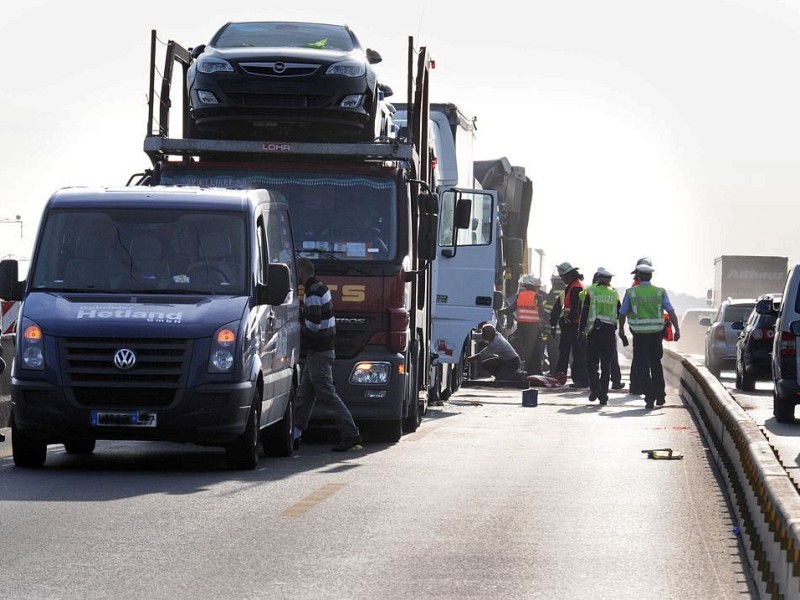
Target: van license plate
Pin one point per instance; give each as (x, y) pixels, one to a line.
(133, 418)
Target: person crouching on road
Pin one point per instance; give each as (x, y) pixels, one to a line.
(317, 340)
(498, 357)
(598, 325)
(643, 307)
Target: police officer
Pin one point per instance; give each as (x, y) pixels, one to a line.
(569, 349)
(598, 325)
(529, 309)
(642, 308)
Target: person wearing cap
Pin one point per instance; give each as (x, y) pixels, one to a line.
(598, 326)
(527, 338)
(642, 308)
(498, 357)
(570, 353)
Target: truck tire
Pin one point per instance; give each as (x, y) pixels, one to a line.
(414, 417)
(387, 431)
(242, 453)
(28, 453)
(782, 409)
(80, 446)
(277, 439)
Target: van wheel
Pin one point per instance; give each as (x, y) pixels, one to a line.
(782, 409)
(242, 453)
(80, 446)
(277, 439)
(28, 453)
(714, 367)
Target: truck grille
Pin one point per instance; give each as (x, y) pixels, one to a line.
(89, 371)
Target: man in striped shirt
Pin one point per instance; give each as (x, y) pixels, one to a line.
(316, 383)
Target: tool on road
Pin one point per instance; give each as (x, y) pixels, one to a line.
(663, 454)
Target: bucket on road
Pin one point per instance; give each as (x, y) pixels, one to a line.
(530, 397)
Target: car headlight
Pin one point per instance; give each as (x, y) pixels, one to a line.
(367, 373)
(32, 345)
(214, 65)
(347, 68)
(223, 346)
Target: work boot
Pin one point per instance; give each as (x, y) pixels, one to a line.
(661, 401)
(603, 400)
(618, 386)
(649, 403)
(347, 443)
(592, 397)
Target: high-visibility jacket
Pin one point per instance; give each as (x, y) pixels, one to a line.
(646, 313)
(573, 313)
(527, 307)
(603, 305)
(669, 333)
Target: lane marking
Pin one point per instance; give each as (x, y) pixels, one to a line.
(310, 501)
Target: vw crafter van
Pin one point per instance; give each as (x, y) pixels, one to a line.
(165, 314)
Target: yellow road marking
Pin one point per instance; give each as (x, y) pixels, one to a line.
(310, 501)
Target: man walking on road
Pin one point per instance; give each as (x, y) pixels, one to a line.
(598, 326)
(316, 383)
(646, 303)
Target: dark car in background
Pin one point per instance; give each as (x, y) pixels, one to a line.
(286, 81)
(721, 337)
(754, 345)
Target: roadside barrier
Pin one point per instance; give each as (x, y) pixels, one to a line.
(765, 500)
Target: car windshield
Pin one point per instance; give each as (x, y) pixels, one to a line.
(337, 216)
(142, 250)
(284, 35)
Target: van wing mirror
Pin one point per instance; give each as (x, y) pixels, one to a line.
(705, 322)
(278, 285)
(10, 286)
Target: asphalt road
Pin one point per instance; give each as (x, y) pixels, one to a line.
(488, 499)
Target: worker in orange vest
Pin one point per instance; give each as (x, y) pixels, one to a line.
(527, 338)
(571, 355)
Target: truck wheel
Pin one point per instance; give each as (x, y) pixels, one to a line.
(782, 409)
(242, 453)
(80, 446)
(277, 439)
(387, 431)
(28, 453)
(414, 417)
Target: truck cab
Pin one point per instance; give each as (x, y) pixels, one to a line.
(152, 313)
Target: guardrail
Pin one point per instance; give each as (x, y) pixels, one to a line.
(766, 502)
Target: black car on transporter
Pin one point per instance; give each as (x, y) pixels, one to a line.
(754, 345)
(286, 81)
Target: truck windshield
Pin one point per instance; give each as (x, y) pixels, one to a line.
(353, 217)
(142, 250)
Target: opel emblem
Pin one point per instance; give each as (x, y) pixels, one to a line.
(124, 359)
(279, 67)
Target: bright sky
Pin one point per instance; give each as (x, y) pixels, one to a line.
(648, 128)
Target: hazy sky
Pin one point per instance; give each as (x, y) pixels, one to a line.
(648, 128)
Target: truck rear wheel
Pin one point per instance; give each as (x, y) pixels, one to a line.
(242, 453)
(28, 453)
(386, 431)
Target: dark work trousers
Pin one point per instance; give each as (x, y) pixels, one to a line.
(616, 374)
(551, 346)
(316, 385)
(600, 351)
(647, 353)
(528, 344)
(571, 355)
(501, 370)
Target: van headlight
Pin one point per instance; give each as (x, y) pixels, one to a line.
(370, 373)
(31, 350)
(223, 346)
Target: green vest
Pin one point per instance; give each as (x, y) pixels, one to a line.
(603, 302)
(647, 309)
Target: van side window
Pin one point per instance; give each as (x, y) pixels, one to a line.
(279, 240)
(261, 249)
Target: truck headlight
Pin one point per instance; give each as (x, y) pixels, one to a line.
(223, 346)
(32, 345)
(370, 373)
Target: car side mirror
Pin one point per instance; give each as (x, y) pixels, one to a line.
(795, 328)
(373, 56)
(737, 325)
(198, 50)
(705, 322)
(387, 91)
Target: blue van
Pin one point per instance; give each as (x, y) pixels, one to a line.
(156, 313)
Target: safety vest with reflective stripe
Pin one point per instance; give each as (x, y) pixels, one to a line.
(573, 313)
(527, 307)
(646, 313)
(603, 302)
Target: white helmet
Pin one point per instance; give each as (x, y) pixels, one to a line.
(529, 280)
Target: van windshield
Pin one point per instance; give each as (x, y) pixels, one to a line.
(351, 217)
(142, 250)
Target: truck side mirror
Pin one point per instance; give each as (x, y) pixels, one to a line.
(278, 285)
(463, 216)
(10, 287)
(428, 228)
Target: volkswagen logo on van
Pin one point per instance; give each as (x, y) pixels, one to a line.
(124, 359)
